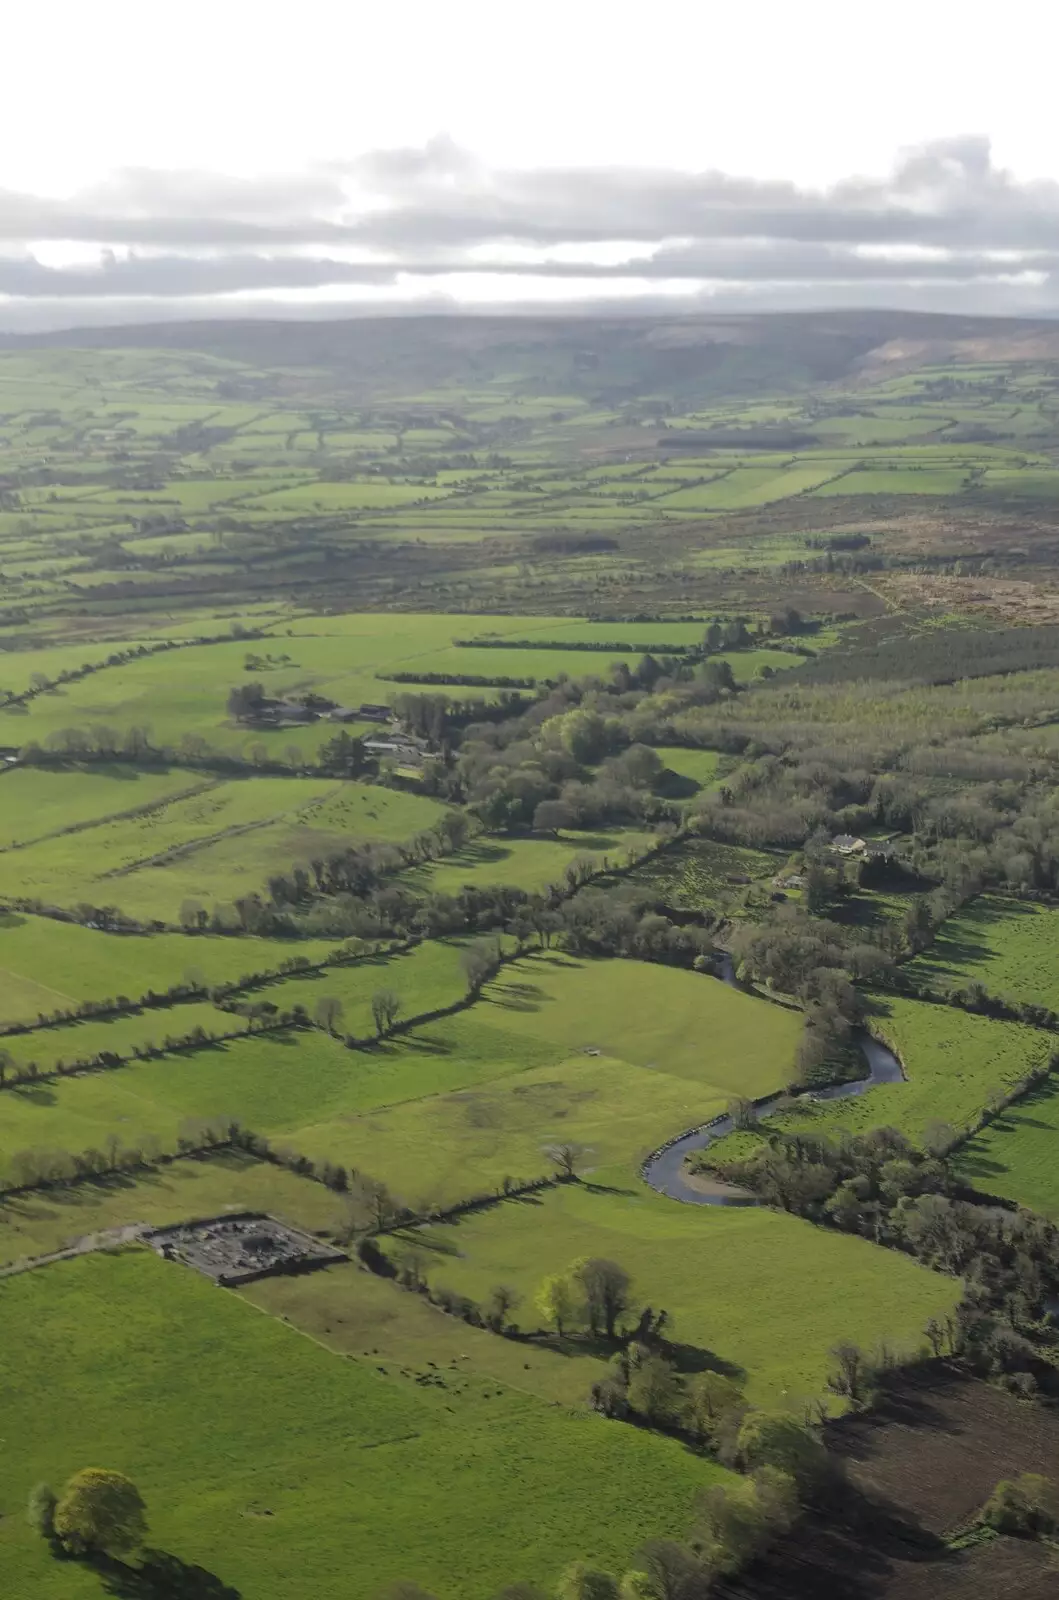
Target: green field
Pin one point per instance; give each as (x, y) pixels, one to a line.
(79, 1041)
(954, 1063)
(763, 1293)
(556, 1050)
(698, 767)
(305, 1089)
(676, 1023)
(1009, 946)
(356, 1313)
(530, 864)
(95, 1374)
(34, 1224)
(425, 979)
(37, 954)
(224, 839)
(1015, 1155)
(35, 803)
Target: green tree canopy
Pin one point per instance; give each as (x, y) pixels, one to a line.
(101, 1510)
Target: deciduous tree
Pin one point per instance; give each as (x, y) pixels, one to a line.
(101, 1510)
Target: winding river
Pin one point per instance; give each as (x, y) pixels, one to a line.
(665, 1170)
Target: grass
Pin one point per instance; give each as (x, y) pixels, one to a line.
(35, 802)
(38, 954)
(356, 1313)
(677, 1023)
(616, 1056)
(1015, 1155)
(530, 864)
(472, 1486)
(632, 1054)
(211, 846)
(687, 772)
(445, 1147)
(754, 1290)
(79, 1041)
(44, 1220)
(305, 1089)
(1010, 946)
(425, 978)
(954, 1062)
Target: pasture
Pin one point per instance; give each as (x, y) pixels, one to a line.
(530, 864)
(209, 844)
(38, 1222)
(37, 954)
(687, 772)
(1015, 1156)
(1011, 947)
(678, 1023)
(356, 1313)
(954, 1063)
(35, 802)
(614, 1057)
(307, 1090)
(95, 1374)
(755, 1292)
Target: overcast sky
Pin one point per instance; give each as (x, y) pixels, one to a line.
(322, 158)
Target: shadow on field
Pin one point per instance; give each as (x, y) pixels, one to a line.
(517, 996)
(38, 1094)
(161, 1576)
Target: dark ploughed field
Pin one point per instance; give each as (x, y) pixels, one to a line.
(920, 1467)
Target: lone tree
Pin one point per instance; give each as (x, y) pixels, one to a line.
(567, 1158)
(385, 1009)
(101, 1511)
(327, 1012)
(607, 1288)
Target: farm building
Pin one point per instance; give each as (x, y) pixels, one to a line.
(847, 844)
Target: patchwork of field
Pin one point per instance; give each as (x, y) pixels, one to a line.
(523, 863)
(615, 1057)
(176, 487)
(362, 1446)
(333, 1433)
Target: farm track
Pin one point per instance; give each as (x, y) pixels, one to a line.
(106, 1239)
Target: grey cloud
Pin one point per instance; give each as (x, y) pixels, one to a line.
(948, 194)
(712, 263)
(422, 213)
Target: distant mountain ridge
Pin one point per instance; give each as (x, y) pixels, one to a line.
(612, 357)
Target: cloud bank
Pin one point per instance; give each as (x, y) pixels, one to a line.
(436, 226)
